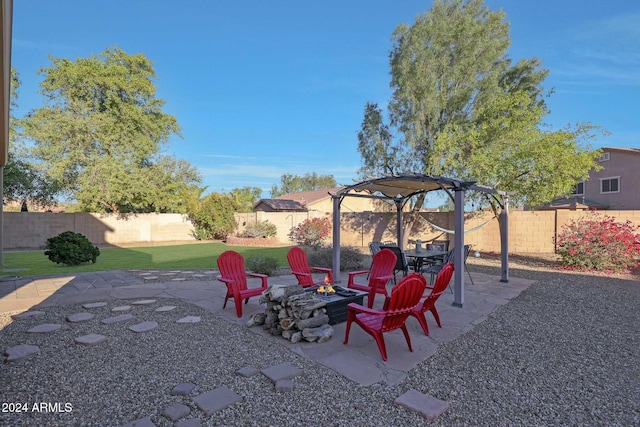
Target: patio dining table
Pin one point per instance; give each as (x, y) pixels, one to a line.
(422, 256)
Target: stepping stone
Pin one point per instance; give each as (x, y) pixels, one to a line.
(121, 308)
(80, 317)
(284, 386)
(145, 274)
(150, 277)
(178, 279)
(115, 319)
(27, 315)
(142, 422)
(144, 326)
(44, 328)
(144, 302)
(183, 389)
(177, 411)
(94, 305)
(283, 371)
(165, 308)
(247, 371)
(216, 400)
(198, 276)
(171, 273)
(188, 272)
(21, 351)
(427, 406)
(189, 319)
(191, 422)
(91, 339)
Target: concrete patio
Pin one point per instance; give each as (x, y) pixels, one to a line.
(360, 360)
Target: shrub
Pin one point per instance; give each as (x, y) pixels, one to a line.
(351, 259)
(598, 242)
(262, 264)
(311, 232)
(71, 248)
(212, 216)
(260, 229)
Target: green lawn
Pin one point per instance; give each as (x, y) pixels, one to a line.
(177, 257)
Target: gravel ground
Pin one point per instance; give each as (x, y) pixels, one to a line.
(565, 352)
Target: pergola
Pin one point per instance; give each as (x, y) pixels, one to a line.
(399, 189)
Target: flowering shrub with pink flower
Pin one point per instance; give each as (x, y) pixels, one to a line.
(599, 242)
(311, 232)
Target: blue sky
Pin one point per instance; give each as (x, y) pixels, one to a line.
(263, 88)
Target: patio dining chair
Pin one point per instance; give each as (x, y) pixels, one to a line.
(433, 270)
(401, 261)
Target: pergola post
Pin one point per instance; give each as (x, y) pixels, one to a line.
(458, 248)
(336, 238)
(399, 224)
(504, 239)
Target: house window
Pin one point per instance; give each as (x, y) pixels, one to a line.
(578, 190)
(610, 185)
(603, 157)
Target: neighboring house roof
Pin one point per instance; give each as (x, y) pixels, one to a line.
(281, 205)
(628, 150)
(296, 201)
(309, 197)
(573, 202)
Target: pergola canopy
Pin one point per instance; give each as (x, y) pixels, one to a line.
(399, 189)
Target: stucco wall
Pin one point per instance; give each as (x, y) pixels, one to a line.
(30, 230)
(529, 231)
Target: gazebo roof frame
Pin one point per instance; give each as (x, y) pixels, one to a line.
(399, 189)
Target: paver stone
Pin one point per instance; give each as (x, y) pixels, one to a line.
(144, 302)
(183, 389)
(216, 400)
(21, 351)
(282, 371)
(95, 305)
(427, 406)
(44, 328)
(27, 315)
(144, 326)
(90, 339)
(80, 317)
(189, 319)
(177, 411)
(116, 319)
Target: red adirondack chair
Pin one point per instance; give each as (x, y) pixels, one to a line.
(233, 274)
(381, 272)
(442, 281)
(300, 268)
(404, 296)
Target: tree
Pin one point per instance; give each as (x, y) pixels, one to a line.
(461, 108)
(22, 180)
(246, 197)
(212, 216)
(166, 185)
(294, 183)
(101, 131)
